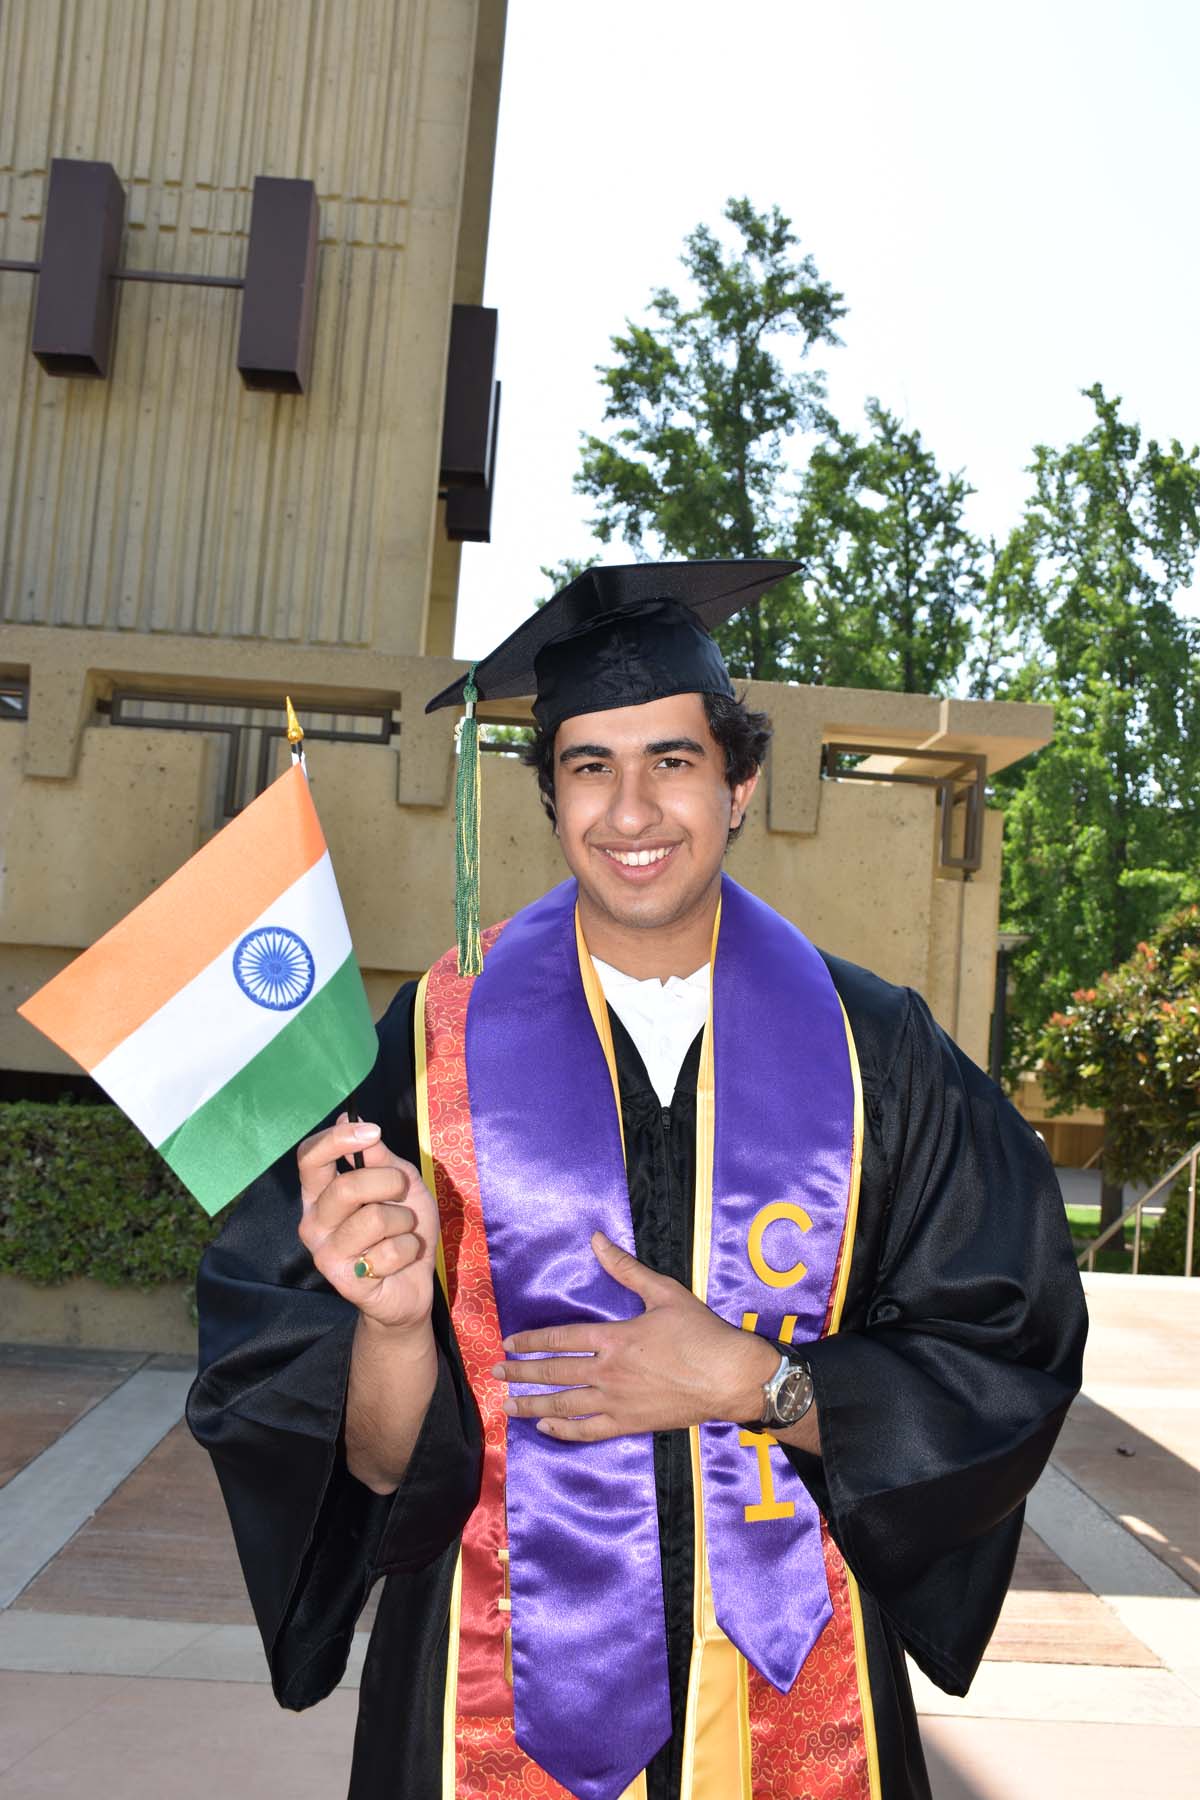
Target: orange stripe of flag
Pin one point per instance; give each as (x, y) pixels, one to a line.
(158, 948)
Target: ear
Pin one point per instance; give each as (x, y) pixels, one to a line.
(741, 799)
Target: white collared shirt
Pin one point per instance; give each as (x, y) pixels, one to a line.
(662, 1018)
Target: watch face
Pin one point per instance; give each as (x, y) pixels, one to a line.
(793, 1396)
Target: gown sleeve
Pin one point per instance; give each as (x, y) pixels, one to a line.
(269, 1404)
(940, 1404)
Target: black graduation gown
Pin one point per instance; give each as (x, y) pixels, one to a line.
(940, 1399)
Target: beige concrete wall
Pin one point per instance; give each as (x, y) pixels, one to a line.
(88, 1315)
(78, 855)
(168, 498)
(1074, 1139)
(1031, 1099)
(92, 816)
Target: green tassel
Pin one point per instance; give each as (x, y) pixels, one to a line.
(466, 826)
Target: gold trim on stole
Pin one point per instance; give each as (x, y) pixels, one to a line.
(424, 1135)
(865, 1700)
(429, 1177)
(598, 1007)
(716, 1733)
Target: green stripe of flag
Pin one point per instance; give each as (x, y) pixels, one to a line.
(315, 1061)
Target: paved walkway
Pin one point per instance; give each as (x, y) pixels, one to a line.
(130, 1668)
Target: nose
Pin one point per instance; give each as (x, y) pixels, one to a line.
(633, 810)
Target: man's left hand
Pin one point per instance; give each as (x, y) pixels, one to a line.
(676, 1364)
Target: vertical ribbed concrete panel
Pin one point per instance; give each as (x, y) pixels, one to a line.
(169, 498)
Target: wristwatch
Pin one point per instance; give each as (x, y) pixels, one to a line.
(787, 1394)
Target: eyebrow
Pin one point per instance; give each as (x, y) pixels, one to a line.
(663, 747)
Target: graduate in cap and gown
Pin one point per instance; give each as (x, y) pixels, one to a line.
(683, 1350)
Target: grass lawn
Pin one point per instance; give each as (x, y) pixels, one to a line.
(1085, 1225)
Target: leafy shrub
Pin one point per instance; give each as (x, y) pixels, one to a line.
(1130, 1046)
(1162, 1251)
(83, 1193)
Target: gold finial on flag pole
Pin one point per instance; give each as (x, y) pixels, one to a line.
(295, 732)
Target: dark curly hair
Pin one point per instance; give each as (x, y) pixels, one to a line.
(742, 735)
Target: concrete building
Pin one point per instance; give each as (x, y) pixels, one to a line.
(179, 547)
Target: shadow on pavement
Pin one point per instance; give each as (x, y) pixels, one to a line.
(946, 1781)
(1138, 1480)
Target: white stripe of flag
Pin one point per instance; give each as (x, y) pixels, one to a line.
(209, 1030)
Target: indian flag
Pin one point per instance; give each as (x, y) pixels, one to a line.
(226, 1014)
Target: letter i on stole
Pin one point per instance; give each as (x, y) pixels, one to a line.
(762, 1443)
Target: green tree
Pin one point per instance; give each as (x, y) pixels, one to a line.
(1102, 824)
(893, 573)
(712, 405)
(1130, 1046)
(703, 400)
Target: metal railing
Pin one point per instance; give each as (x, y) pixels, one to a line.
(1190, 1157)
(248, 730)
(965, 781)
(14, 698)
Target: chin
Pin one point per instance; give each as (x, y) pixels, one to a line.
(648, 909)
(644, 913)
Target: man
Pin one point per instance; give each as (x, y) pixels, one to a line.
(750, 1320)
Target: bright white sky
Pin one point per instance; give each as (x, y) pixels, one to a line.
(1005, 193)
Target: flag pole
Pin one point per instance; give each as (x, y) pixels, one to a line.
(295, 734)
(295, 737)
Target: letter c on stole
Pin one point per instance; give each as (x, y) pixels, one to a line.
(768, 1215)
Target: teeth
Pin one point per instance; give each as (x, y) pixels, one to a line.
(638, 859)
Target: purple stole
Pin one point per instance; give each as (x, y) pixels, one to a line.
(589, 1670)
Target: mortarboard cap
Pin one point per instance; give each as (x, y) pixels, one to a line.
(620, 636)
(615, 636)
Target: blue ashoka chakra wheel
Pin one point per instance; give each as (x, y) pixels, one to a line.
(273, 967)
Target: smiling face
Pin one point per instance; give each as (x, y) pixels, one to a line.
(643, 813)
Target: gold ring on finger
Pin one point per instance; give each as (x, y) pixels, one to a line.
(364, 1268)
